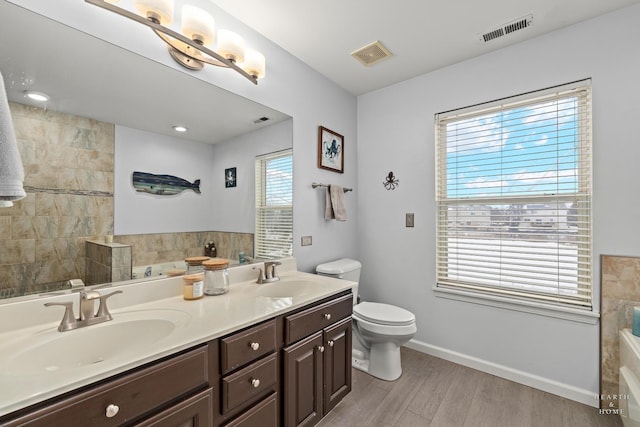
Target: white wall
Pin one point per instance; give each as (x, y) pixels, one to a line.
(233, 209)
(396, 132)
(141, 213)
(289, 86)
(216, 207)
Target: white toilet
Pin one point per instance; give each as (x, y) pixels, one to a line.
(379, 330)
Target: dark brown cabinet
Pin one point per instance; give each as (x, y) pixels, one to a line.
(250, 382)
(290, 370)
(303, 382)
(134, 396)
(337, 363)
(196, 411)
(317, 368)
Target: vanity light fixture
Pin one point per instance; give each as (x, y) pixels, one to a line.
(36, 96)
(179, 128)
(194, 46)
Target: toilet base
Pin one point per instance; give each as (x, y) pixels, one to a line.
(383, 363)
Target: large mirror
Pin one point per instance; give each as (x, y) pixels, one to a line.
(111, 112)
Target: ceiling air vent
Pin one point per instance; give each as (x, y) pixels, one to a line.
(508, 28)
(371, 53)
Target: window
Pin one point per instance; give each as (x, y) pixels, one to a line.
(274, 205)
(513, 190)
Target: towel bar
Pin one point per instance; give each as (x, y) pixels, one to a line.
(317, 184)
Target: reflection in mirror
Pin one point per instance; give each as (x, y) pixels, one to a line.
(109, 115)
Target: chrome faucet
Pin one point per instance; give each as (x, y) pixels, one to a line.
(88, 315)
(270, 271)
(269, 274)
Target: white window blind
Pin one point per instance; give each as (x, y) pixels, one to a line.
(274, 205)
(513, 191)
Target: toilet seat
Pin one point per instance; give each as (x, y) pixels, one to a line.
(383, 314)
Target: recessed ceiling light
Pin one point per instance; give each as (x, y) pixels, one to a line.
(36, 96)
(179, 128)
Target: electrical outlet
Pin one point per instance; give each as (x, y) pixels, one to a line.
(409, 220)
(306, 241)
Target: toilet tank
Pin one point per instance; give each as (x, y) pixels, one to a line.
(345, 268)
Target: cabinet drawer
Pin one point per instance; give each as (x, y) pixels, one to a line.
(264, 414)
(134, 394)
(197, 411)
(248, 345)
(306, 322)
(248, 384)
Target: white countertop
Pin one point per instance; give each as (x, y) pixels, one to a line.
(26, 323)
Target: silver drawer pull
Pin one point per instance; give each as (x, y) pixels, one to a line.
(255, 382)
(255, 346)
(112, 410)
(330, 343)
(321, 348)
(327, 316)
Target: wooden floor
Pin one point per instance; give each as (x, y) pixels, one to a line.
(437, 393)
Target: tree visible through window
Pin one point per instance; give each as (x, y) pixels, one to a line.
(514, 197)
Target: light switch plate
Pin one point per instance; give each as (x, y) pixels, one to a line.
(409, 220)
(306, 241)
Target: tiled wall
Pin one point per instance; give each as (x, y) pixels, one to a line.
(107, 262)
(68, 164)
(620, 292)
(159, 248)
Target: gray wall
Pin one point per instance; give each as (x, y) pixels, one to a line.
(289, 86)
(396, 132)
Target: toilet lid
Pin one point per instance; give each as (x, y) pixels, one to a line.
(383, 314)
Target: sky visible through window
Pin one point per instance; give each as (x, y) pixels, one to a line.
(279, 181)
(529, 150)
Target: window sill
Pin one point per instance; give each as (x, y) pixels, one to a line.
(540, 309)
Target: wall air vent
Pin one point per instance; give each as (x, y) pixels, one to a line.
(508, 28)
(371, 53)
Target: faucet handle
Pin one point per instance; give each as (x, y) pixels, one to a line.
(68, 317)
(270, 269)
(86, 304)
(261, 277)
(103, 310)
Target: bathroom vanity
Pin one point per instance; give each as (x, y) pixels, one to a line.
(260, 355)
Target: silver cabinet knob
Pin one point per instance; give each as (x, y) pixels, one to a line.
(327, 316)
(255, 346)
(112, 410)
(255, 382)
(321, 348)
(330, 343)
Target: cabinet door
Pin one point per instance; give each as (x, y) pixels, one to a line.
(264, 414)
(337, 363)
(303, 366)
(196, 411)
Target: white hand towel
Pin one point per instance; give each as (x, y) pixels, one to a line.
(11, 170)
(328, 209)
(335, 204)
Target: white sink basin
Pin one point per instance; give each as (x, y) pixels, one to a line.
(287, 288)
(46, 351)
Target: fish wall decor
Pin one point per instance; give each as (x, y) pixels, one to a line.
(163, 185)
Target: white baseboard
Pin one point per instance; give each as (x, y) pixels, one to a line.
(545, 384)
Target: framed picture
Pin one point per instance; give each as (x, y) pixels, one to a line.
(230, 178)
(330, 150)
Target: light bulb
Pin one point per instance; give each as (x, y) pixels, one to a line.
(156, 10)
(254, 64)
(198, 25)
(231, 46)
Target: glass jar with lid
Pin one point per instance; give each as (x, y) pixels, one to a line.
(216, 276)
(192, 286)
(194, 264)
